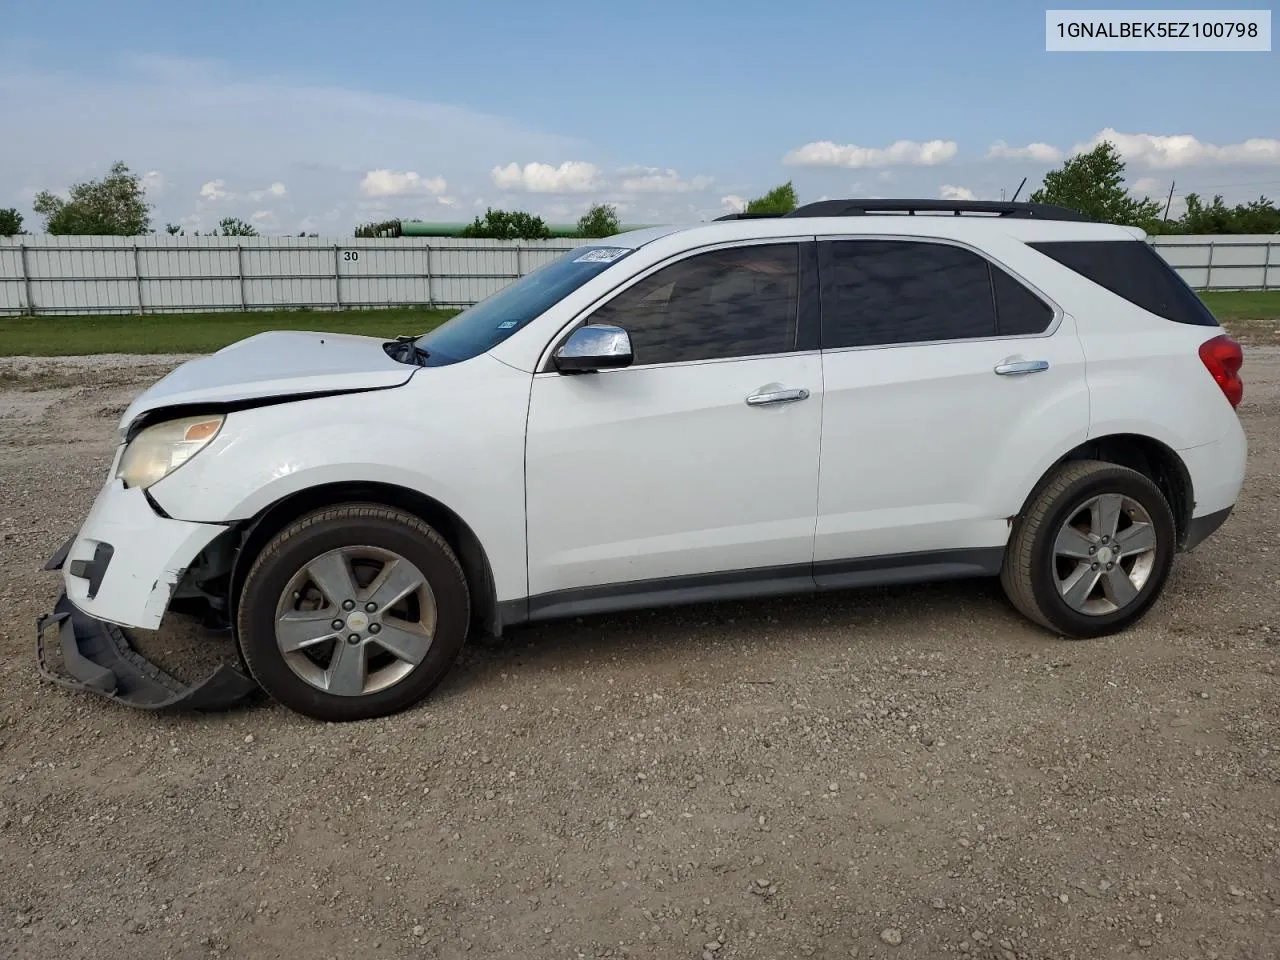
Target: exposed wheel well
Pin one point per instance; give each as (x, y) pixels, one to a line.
(460, 537)
(1152, 459)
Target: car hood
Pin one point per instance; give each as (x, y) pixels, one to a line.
(280, 363)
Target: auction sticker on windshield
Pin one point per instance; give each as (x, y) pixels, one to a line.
(602, 255)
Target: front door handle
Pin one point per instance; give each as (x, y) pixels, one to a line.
(777, 396)
(1021, 366)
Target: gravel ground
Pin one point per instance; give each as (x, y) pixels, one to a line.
(907, 772)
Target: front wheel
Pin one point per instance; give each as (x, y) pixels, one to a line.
(1092, 551)
(352, 612)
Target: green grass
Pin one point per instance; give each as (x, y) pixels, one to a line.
(1244, 304)
(1241, 312)
(52, 336)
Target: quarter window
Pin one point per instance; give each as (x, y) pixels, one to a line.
(738, 302)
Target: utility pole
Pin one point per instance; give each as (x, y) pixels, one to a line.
(1169, 202)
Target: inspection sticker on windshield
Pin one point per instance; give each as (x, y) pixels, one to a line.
(601, 255)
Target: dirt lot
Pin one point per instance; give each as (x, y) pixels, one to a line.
(910, 772)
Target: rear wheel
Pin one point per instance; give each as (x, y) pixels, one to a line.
(352, 612)
(1092, 552)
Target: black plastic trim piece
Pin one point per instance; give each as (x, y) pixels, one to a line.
(93, 570)
(97, 659)
(60, 556)
(862, 208)
(1201, 528)
(809, 311)
(756, 583)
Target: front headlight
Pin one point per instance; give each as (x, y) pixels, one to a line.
(161, 449)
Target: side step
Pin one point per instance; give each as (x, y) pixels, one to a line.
(97, 658)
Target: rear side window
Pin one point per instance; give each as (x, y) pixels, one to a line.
(884, 292)
(880, 292)
(1132, 270)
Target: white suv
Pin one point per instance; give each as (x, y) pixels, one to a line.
(842, 396)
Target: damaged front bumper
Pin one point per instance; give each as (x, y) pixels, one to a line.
(122, 568)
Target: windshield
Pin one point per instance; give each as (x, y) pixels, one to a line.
(492, 320)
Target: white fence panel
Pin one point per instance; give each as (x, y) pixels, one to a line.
(163, 274)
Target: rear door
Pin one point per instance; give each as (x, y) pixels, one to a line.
(950, 385)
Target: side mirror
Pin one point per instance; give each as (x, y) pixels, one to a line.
(594, 347)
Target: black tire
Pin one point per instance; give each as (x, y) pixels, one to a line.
(330, 528)
(1028, 574)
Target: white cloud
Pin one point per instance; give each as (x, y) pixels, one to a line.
(276, 189)
(951, 192)
(154, 183)
(1146, 184)
(656, 180)
(733, 203)
(391, 183)
(215, 190)
(572, 176)
(1184, 150)
(824, 153)
(1039, 152)
(265, 217)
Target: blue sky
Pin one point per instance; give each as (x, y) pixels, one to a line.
(320, 115)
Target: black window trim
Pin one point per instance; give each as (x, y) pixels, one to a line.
(808, 314)
(1058, 312)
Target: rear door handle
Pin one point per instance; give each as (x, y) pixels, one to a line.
(1021, 366)
(777, 396)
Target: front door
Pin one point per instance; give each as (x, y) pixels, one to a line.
(694, 469)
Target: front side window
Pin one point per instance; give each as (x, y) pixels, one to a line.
(738, 302)
(486, 324)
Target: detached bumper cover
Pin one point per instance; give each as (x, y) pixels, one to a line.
(97, 658)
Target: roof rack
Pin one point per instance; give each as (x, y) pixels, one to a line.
(861, 208)
(747, 216)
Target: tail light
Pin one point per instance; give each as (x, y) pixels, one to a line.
(1222, 357)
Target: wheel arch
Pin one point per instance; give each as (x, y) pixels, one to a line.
(256, 532)
(1153, 459)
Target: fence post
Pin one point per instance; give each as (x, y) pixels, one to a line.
(337, 277)
(431, 297)
(1266, 265)
(244, 302)
(519, 265)
(26, 276)
(137, 277)
(1208, 269)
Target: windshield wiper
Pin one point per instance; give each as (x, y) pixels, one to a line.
(405, 349)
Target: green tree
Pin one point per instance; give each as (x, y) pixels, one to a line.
(1093, 184)
(600, 221)
(1256, 216)
(507, 225)
(116, 205)
(779, 200)
(10, 222)
(235, 227)
(173, 230)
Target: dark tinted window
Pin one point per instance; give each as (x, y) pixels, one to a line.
(877, 292)
(726, 303)
(1018, 310)
(1131, 269)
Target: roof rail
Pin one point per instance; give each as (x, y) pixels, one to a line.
(747, 216)
(861, 208)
